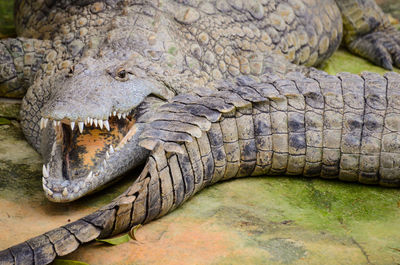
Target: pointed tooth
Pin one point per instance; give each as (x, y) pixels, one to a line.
(41, 123)
(91, 121)
(104, 163)
(119, 115)
(107, 155)
(114, 113)
(95, 122)
(89, 176)
(107, 125)
(101, 124)
(58, 123)
(88, 120)
(65, 192)
(45, 171)
(111, 149)
(45, 122)
(124, 115)
(44, 181)
(72, 125)
(47, 190)
(54, 124)
(76, 189)
(81, 126)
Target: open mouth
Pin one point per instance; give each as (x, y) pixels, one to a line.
(83, 152)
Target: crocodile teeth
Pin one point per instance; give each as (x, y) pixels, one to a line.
(124, 115)
(114, 113)
(47, 190)
(65, 192)
(107, 125)
(54, 124)
(72, 125)
(101, 124)
(58, 123)
(95, 122)
(43, 123)
(45, 171)
(80, 125)
(76, 189)
(89, 176)
(104, 163)
(111, 149)
(91, 121)
(119, 115)
(107, 155)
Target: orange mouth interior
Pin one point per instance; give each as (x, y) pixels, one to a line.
(84, 152)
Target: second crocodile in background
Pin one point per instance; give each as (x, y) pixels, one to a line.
(113, 83)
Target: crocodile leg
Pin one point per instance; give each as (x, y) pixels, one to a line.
(344, 127)
(20, 60)
(368, 33)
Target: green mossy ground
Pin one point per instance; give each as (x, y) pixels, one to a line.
(275, 220)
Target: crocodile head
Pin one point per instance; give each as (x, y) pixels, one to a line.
(90, 126)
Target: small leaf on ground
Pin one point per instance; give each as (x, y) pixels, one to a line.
(132, 232)
(115, 240)
(68, 262)
(4, 121)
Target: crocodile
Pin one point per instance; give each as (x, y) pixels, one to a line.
(197, 92)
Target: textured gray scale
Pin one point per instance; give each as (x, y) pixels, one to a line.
(332, 117)
(247, 144)
(314, 106)
(140, 204)
(353, 113)
(263, 137)
(187, 174)
(64, 242)
(296, 126)
(279, 128)
(390, 156)
(23, 254)
(206, 158)
(153, 194)
(218, 151)
(195, 160)
(177, 180)
(230, 139)
(374, 113)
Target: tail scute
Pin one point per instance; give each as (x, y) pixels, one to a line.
(43, 249)
(22, 253)
(102, 219)
(6, 257)
(64, 241)
(83, 231)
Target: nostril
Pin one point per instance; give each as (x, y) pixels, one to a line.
(71, 71)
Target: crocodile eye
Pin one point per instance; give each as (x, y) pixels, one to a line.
(122, 74)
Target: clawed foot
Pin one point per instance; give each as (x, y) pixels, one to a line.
(380, 47)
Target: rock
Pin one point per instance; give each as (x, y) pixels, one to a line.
(9, 108)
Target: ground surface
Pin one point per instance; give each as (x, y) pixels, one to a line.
(246, 221)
